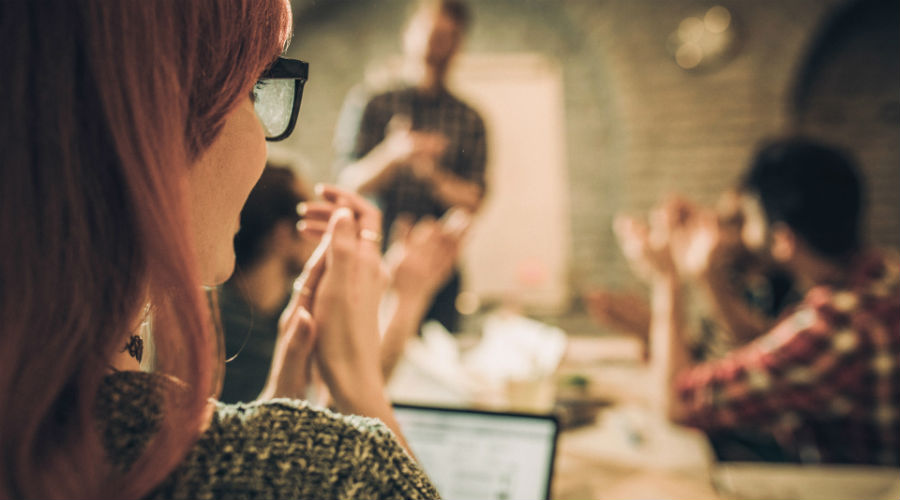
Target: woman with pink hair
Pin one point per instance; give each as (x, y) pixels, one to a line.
(131, 134)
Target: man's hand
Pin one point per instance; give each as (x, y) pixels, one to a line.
(626, 312)
(419, 261)
(645, 247)
(401, 148)
(422, 256)
(420, 151)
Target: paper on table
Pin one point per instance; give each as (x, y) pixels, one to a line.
(430, 371)
(632, 436)
(512, 349)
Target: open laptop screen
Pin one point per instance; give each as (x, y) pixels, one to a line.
(480, 454)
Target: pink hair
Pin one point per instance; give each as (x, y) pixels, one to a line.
(104, 107)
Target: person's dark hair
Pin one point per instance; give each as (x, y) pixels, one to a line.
(274, 199)
(813, 188)
(454, 9)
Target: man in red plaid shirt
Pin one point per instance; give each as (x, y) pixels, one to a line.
(824, 382)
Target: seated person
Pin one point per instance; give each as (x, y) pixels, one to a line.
(417, 263)
(823, 381)
(742, 294)
(270, 251)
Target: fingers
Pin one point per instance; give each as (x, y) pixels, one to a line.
(315, 210)
(456, 222)
(399, 123)
(343, 235)
(401, 228)
(629, 231)
(307, 283)
(366, 214)
(317, 215)
(314, 218)
(422, 230)
(312, 228)
(298, 330)
(433, 243)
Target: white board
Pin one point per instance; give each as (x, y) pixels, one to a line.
(519, 248)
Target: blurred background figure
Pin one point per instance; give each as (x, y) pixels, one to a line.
(417, 149)
(419, 261)
(270, 252)
(271, 247)
(741, 291)
(821, 384)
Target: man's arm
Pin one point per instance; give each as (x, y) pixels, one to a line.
(648, 253)
(465, 189)
(406, 313)
(370, 173)
(744, 322)
(796, 366)
(401, 148)
(420, 261)
(363, 163)
(704, 248)
(669, 355)
(454, 191)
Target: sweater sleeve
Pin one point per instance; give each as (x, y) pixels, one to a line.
(276, 449)
(287, 449)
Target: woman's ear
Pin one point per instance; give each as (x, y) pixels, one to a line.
(784, 242)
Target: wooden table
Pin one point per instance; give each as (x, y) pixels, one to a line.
(629, 451)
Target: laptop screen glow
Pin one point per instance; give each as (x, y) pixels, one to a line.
(472, 454)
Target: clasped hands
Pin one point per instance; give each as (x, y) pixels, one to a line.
(679, 239)
(331, 321)
(419, 151)
(331, 318)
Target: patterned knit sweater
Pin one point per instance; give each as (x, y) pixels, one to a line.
(276, 449)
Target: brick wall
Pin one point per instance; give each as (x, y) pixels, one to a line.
(638, 126)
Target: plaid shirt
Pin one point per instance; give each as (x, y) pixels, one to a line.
(465, 156)
(825, 381)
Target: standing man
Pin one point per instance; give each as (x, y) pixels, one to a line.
(418, 150)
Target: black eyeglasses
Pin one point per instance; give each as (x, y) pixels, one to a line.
(276, 97)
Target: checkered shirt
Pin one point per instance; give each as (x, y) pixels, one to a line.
(825, 381)
(466, 153)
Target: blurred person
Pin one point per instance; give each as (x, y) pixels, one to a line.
(270, 251)
(418, 149)
(823, 382)
(419, 261)
(420, 257)
(746, 290)
(121, 192)
(743, 292)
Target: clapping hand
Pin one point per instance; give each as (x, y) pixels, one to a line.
(417, 150)
(421, 256)
(331, 318)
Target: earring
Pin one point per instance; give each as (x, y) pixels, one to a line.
(135, 347)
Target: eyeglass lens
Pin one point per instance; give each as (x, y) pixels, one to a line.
(273, 100)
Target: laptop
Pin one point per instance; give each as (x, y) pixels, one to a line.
(482, 454)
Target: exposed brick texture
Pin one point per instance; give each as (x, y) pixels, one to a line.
(638, 126)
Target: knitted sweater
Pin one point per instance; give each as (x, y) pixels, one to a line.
(276, 449)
